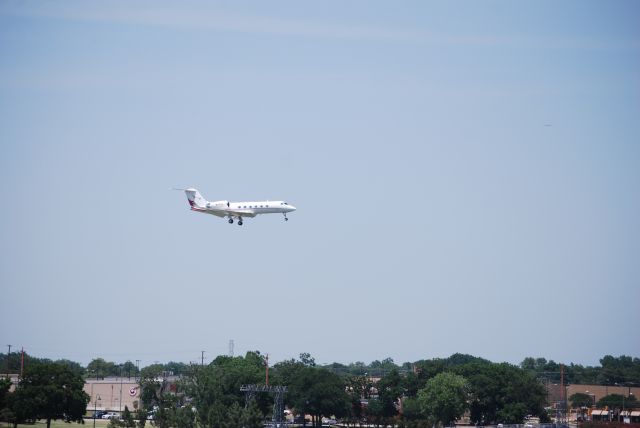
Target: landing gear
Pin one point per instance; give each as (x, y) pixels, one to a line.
(230, 220)
(240, 222)
(285, 216)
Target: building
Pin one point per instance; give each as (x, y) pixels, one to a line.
(112, 394)
(596, 392)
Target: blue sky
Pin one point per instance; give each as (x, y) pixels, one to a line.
(466, 176)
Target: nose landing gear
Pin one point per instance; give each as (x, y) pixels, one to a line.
(285, 216)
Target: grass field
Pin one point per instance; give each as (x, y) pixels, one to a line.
(61, 424)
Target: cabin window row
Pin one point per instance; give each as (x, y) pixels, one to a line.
(255, 206)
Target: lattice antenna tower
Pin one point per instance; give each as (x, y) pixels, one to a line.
(277, 391)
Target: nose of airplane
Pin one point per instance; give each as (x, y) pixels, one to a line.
(292, 208)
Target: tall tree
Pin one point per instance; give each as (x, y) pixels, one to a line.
(319, 392)
(390, 389)
(617, 401)
(444, 398)
(129, 369)
(51, 391)
(580, 399)
(496, 386)
(5, 411)
(99, 368)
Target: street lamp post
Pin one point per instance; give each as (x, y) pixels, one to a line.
(95, 409)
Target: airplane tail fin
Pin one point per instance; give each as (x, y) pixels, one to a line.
(195, 198)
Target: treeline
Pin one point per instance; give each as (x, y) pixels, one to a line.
(98, 368)
(14, 362)
(430, 394)
(426, 393)
(622, 370)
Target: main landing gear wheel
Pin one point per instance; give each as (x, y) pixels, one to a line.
(230, 221)
(239, 222)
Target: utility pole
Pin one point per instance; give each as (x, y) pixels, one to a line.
(202, 358)
(563, 398)
(267, 379)
(120, 390)
(8, 356)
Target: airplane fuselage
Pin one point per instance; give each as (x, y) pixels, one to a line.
(236, 210)
(248, 209)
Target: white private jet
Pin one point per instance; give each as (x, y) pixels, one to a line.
(235, 210)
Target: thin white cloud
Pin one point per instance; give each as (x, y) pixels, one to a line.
(205, 18)
(208, 18)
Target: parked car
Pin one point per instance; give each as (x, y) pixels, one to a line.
(98, 414)
(111, 415)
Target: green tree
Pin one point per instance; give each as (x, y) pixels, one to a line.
(390, 389)
(621, 370)
(184, 417)
(319, 392)
(141, 417)
(153, 371)
(127, 420)
(444, 398)
(617, 401)
(51, 391)
(411, 410)
(175, 368)
(512, 413)
(233, 417)
(382, 367)
(496, 386)
(252, 417)
(216, 387)
(75, 367)
(99, 368)
(129, 369)
(5, 411)
(358, 388)
(375, 412)
(285, 372)
(307, 359)
(580, 399)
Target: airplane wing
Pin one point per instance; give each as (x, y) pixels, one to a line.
(241, 213)
(226, 213)
(218, 213)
